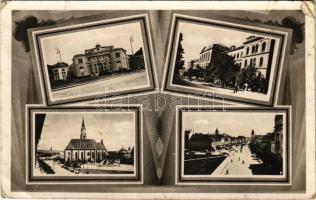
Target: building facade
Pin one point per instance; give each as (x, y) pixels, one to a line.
(99, 61)
(83, 149)
(59, 71)
(255, 51)
(276, 145)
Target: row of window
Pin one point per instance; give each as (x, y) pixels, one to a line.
(236, 56)
(254, 49)
(117, 55)
(253, 62)
(56, 75)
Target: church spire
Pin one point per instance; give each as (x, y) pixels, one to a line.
(83, 126)
(83, 130)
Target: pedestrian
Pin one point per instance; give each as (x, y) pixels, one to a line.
(236, 88)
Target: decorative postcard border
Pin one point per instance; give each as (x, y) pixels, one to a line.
(282, 33)
(37, 57)
(179, 180)
(137, 179)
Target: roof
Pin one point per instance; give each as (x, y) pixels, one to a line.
(84, 144)
(101, 146)
(58, 65)
(252, 39)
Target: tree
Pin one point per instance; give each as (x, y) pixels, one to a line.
(247, 75)
(179, 58)
(222, 68)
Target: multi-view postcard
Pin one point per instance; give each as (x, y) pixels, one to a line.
(79, 62)
(158, 100)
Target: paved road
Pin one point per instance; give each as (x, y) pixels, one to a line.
(120, 83)
(224, 91)
(237, 163)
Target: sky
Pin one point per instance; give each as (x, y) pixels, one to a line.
(116, 129)
(74, 43)
(231, 123)
(197, 36)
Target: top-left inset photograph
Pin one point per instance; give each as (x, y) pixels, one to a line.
(86, 60)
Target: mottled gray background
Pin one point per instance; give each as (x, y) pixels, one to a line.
(159, 126)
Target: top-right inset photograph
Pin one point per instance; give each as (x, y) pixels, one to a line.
(225, 60)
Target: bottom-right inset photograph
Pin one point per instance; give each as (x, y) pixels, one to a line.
(233, 145)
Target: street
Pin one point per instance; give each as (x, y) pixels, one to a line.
(237, 163)
(119, 83)
(225, 91)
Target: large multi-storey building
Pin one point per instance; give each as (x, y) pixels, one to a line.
(100, 60)
(255, 51)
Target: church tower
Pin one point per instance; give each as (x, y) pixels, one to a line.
(83, 130)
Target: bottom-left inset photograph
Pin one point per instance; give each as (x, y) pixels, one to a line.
(83, 144)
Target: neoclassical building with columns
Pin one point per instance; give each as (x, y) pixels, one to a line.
(84, 149)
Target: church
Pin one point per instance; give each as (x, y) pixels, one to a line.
(83, 149)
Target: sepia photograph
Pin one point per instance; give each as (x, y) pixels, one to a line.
(233, 145)
(82, 143)
(230, 60)
(107, 58)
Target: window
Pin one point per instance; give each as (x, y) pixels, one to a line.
(241, 54)
(253, 49)
(247, 52)
(254, 62)
(80, 60)
(261, 61)
(117, 55)
(257, 46)
(237, 55)
(118, 61)
(64, 74)
(245, 62)
(263, 46)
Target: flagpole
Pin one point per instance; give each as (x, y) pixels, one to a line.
(132, 55)
(58, 52)
(131, 40)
